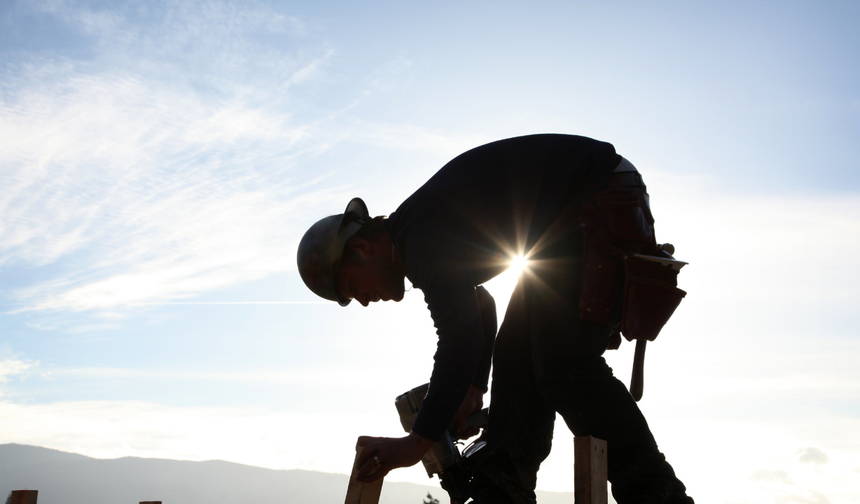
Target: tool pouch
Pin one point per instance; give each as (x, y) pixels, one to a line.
(613, 221)
(617, 287)
(650, 297)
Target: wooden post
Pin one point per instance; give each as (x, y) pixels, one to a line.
(359, 492)
(589, 470)
(24, 497)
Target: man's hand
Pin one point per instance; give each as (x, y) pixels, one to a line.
(473, 403)
(380, 455)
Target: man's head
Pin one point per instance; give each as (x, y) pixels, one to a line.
(350, 256)
(369, 270)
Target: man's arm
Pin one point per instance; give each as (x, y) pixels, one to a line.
(454, 309)
(474, 400)
(392, 453)
(380, 455)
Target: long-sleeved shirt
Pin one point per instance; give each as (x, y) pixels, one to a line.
(463, 227)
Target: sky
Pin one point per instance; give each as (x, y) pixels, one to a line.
(160, 161)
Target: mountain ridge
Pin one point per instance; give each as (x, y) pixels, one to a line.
(71, 478)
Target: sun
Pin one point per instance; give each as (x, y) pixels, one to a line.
(518, 264)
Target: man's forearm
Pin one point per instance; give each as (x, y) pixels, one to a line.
(380, 455)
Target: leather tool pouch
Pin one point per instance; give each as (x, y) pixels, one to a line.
(617, 287)
(650, 297)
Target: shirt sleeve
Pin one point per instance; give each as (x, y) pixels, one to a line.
(454, 307)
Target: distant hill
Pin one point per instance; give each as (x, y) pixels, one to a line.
(69, 478)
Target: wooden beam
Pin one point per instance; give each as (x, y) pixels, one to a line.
(359, 492)
(589, 470)
(24, 497)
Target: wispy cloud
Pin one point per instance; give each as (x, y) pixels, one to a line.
(13, 367)
(318, 376)
(812, 455)
(786, 249)
(163, 193)
(213, 41)
(164, 166)
(418, 139)
(308, 71)
(769, 476)
(128, 180)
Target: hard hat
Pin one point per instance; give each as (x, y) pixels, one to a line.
(321, 249)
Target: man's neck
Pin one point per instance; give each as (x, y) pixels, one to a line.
(396, 258)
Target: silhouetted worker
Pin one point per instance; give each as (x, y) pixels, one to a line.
(513, 197)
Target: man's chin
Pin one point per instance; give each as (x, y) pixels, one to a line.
(396, 289)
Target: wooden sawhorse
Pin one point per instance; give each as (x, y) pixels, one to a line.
(589, 475)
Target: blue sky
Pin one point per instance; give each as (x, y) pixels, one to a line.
(160, 161)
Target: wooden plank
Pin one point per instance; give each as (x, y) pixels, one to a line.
(589, 470)
(359, 492)
(24, 497)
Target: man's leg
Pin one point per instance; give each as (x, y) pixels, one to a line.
(574, 380)
(594, 403)
(521, 423)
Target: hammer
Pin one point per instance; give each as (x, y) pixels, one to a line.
(637, 380)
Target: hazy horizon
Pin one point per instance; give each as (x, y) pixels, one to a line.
(68, 478)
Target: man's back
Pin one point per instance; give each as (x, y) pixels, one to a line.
(496, 201)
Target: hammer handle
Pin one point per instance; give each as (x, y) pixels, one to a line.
(637, 380)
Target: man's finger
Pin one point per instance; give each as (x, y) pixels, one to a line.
(368, 466)
(375, 476)
(364, 462)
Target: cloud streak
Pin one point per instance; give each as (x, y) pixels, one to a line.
(153, 193)
(318, 376)
(13, 367)
(211, 39)
(129, 181)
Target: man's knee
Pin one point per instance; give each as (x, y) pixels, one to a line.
(507, 476)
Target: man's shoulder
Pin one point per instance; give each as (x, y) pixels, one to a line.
(542, 141)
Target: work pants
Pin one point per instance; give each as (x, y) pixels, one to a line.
(547, 360)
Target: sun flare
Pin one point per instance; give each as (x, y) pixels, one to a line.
(518, 264)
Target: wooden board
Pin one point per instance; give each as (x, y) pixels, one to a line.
(589, 470)
(24, 497)
(359, 492)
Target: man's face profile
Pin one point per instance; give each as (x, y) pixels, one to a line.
(368, 274)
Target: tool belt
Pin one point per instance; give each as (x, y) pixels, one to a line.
(624, 282)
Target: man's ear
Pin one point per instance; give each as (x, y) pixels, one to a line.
(361, 246)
